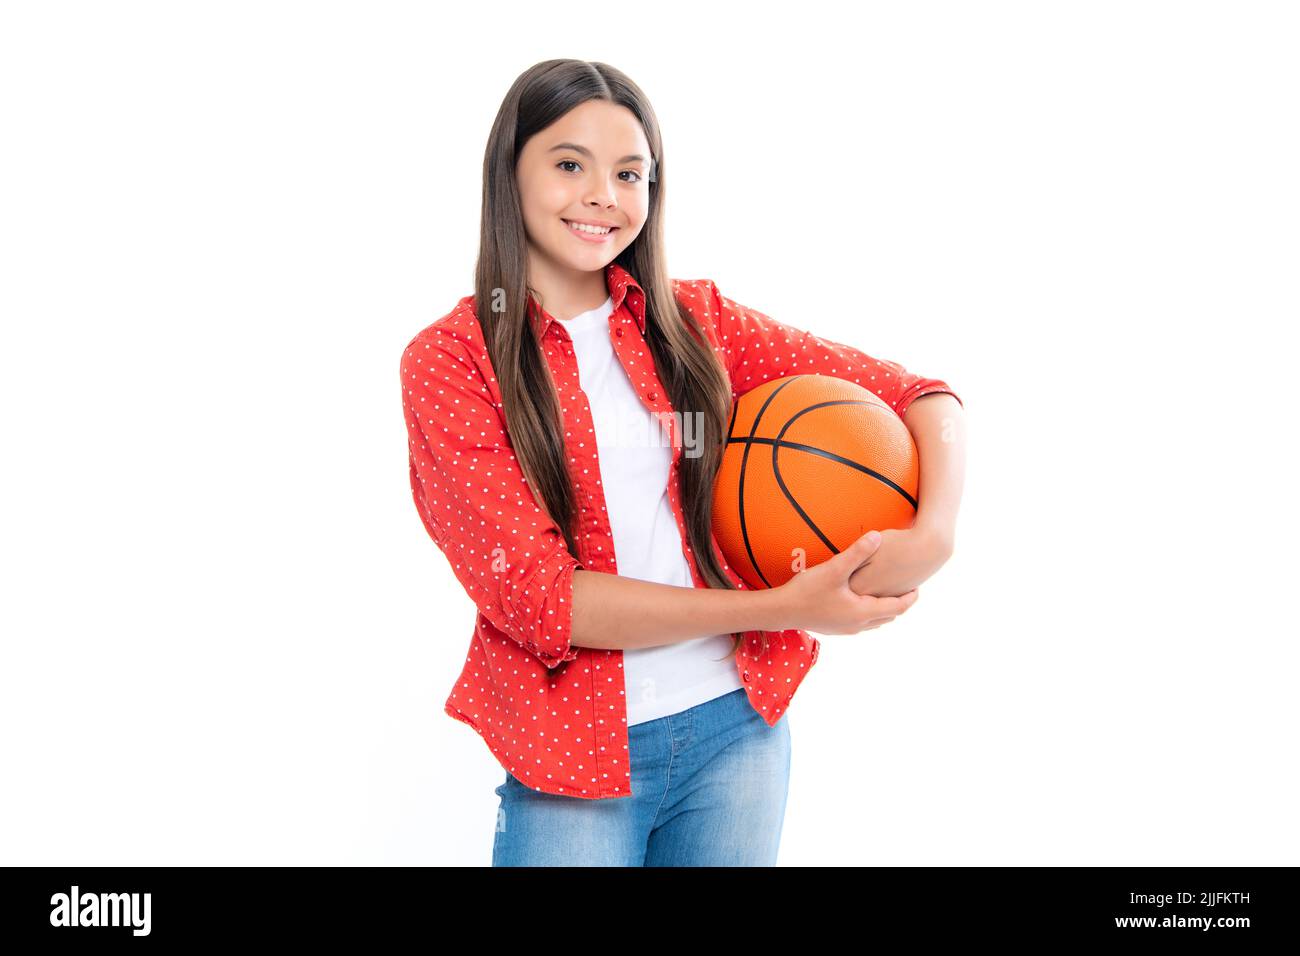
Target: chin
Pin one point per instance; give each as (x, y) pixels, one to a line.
(595, 259)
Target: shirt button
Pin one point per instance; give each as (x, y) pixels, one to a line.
(619, 330)
(652, 396)
(746, 675)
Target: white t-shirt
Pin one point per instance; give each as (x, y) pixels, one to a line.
(635, 456)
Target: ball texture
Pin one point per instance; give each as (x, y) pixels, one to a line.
(811, 464)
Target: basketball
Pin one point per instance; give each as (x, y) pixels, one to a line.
(811, 464)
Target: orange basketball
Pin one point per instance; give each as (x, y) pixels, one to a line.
(811, 464)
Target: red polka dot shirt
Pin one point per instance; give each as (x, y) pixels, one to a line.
(553, 714)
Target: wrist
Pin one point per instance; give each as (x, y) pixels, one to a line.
(772, 609)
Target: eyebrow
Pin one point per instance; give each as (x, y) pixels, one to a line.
(634, 157)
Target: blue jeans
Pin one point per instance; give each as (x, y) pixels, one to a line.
(709, 787)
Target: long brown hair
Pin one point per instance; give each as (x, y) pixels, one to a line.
(688, 367)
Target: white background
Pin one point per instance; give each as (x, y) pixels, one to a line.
(227, 637)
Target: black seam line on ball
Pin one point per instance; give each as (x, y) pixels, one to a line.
(744, 461)
(779, 443)
(797, 446)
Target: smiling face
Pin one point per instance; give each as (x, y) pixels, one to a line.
(590, 166)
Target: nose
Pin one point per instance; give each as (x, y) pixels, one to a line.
(602, 198)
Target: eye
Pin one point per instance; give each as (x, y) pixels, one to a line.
(573, 162)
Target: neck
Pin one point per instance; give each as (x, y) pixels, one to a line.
(566, 292)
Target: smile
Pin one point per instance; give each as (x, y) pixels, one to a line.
(591, 233)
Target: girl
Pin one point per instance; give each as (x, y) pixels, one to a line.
(566, 423)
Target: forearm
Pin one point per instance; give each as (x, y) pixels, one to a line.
(938, 426)
(611, 611)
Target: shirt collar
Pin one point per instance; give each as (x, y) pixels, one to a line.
(622, 287)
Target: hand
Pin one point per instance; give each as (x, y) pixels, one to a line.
(904, 561)
(819, 598)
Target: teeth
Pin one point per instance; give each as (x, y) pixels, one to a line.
(594, 230)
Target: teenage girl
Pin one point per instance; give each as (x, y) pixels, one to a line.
(566, 423)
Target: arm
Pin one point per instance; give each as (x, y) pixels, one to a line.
(907, 558)
(504, 549)
(938, 427)
(614, 611)
(756, 348)
(471, 495)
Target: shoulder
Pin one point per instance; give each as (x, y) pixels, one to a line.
(450, 350)
(451, 344)
(457, 331)
(694, 293)
(700, 297)
(449, 357)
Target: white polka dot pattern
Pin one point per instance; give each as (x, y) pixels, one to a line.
(554, 715)
(759, 349)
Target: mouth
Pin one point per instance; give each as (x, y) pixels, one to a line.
(590, 233)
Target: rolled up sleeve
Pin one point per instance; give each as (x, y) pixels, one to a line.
(503, 548)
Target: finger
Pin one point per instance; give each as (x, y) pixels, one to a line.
(894, 606)
(862, 549)
(908, 599)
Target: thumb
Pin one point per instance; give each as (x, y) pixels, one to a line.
(863, 548)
